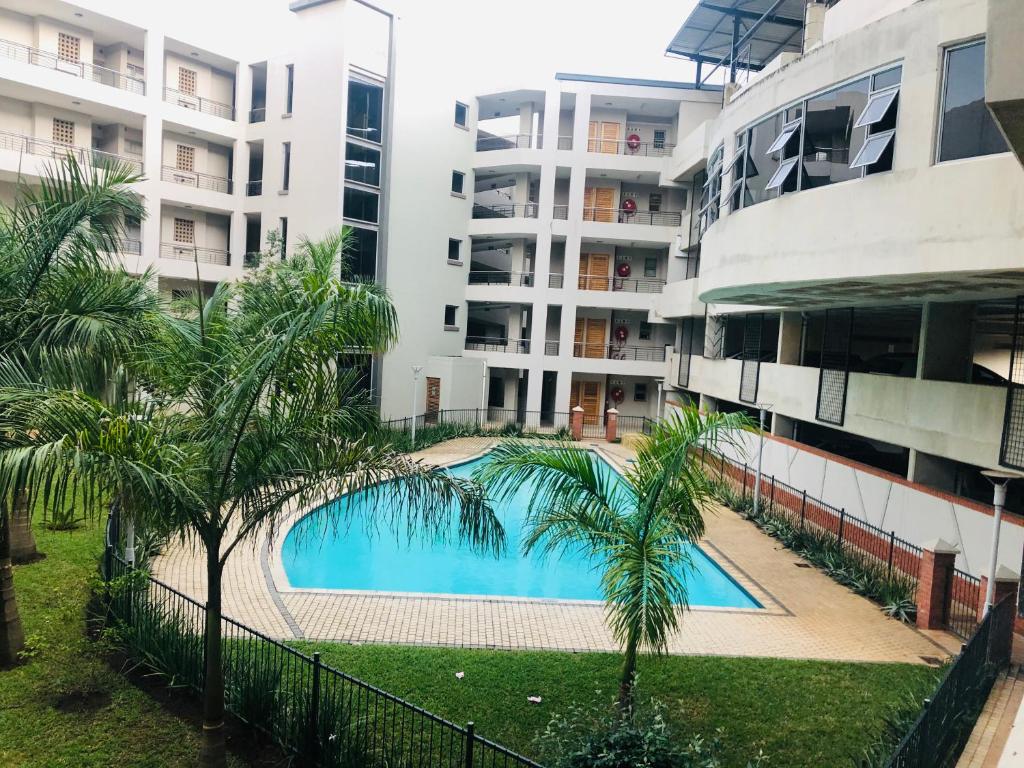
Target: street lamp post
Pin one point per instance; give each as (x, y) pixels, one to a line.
(762, 414)
(412, 414)
(1000, 479)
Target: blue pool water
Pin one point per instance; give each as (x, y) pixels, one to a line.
(317, 555)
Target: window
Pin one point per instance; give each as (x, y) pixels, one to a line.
(458, 182)
(187, 81)
(63, 131)
(651, 267)
(69, 47)
(361, 204)
(654, 202)
(645, 331)
(365, 111)
(712, 189)
(286, 171)
(454, 249)
(290, 88)
(450, 311)
(832, 134)
(362, 253)
(785, 137)
(659, 139)
(779, 179)
(966, 128)
(461, 112)
(362, 164)
(283, 227)
(185, 158)
(874, 150)
(761, 165)
(640, 392)
(184, 231)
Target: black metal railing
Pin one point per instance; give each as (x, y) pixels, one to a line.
(565, 142)
(961, 601)
(185, 252)
(646, 218)
(630, 423)
(555, 280)
(488, 143)
(505, 211)
(626, 284)
(91, 72)
(615, 352)
(485, 344)
(316, 713)
(254, 188)
(560, 211)
(627, 147)
(494, 418)
(130, 246)
(197, 180)
(551, 348)
(251, 259)
(497, 277)
(257, 114)
(199, 103)
(941, 730)
(30, 145)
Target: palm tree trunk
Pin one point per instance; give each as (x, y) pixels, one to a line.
(212, 752)
(628, 675)
(12, 637)
(22, 540)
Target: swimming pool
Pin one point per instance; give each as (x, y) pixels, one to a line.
(319, 556)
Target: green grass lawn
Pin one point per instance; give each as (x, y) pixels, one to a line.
(66, 706)
(802, 713)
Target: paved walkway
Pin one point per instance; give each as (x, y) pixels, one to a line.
(997, 740)
(805, 615)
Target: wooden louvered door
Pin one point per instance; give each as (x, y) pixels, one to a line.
(593, 130)
(604, 204)
(591, 402)
(433, 404)
(594, 338)
(597, 272)
(610, 138)
(589, 196)
(577, 347)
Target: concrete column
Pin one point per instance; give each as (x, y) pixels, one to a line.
(790, 335)
(611, 426)
(1007, 583)
(577, 423)
(944, 352)
(707, 404)
(563, 389)
(535, 383)
(934, 471)
(933, 581)
(814, 24)
(152, 147)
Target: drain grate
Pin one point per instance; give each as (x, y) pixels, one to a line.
(802, 565)
(933, 661)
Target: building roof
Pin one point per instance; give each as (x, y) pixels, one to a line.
(765, 28)
(632, 81)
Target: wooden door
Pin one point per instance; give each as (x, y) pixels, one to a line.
(610, 138)
(589, 196)
(574, 395)
(577, 347)
(598, 274)
(604, 204)
(592, 133)
(594, 338)
(591, 402)
(433, 399)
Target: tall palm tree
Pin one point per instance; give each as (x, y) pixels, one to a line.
(62, 289)
(243, 417)
(637, 529)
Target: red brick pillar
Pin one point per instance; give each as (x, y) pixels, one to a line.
(1006, 584)
(611, 425)
(576, 423)
(934, 582)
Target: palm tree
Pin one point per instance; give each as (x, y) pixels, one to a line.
(637, 529)
(243, 416)
(61, 290)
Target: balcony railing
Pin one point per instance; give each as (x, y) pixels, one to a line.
(197, 180)
(565, 142)
(505, 211)
(251, 259)
(515, 141)
(199, 103)
(627, 147)
(130, 246)
(489, 277)
(254, 188)
(187, 252)
(555, 280)
(257, 115)
(627, 284)
(485, 344)
(551, 348)
(560, 212)
(619, 216)
(615, 352)
(43, 148)
(91, 72)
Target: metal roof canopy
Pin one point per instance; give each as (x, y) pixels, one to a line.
(740, 34)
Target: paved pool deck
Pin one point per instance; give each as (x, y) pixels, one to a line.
(806, 615)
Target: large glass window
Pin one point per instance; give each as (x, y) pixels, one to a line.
(966, 128)
(361, 204)
(361, 257)
(761, 166)
(712, 191)
(362, 164)
(365, 111)
(830, 139)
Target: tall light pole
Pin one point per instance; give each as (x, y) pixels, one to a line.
(999, 478)
(412, 414)
(762, 412)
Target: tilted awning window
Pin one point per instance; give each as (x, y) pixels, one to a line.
(787, 133)
(878, 106)
(872, 150)
(780, 176)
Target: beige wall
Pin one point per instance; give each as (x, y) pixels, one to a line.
(210, 158)
(211, 229)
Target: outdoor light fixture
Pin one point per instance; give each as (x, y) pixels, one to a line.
(763, 409)
(1000, 478)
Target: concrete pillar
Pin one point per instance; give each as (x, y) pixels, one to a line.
(708, 404)
(526, 119)
(814, 25)
(152, 148)
(611, 426)
(577, 423)
(790, 337)
(782, 426)
(1007, 583)
(933, 581)
(944, 352)
(934, 471)
(563, 389)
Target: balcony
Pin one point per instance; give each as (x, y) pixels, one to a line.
(493, 277)
(505, 211)
(551, 348)
(254, 188)
(555, 280)
(614, 352)
(627, 284)
(565, 142)
(630, 148)
(486, 344)
(130, 247)
(85, 156)
(488, 143)
(91, 72)
(197, 180)
(257, 115)
(560, 212)
(199, 103)
(646, 218)
(188, 252)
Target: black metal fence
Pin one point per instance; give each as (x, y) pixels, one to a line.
(313, 711)
(961, 601)
(937, 737)
(495, 419)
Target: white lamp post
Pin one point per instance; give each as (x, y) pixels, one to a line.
(415, 379)
(999, 478)
(762, 413)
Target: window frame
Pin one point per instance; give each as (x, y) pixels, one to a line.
(289, 98)
(458, 250)
(638, 387)
(885, 137)
(465, 114)
(943, 80)
(286, 165)
(893, 92)
(454, 324)
(461, 177)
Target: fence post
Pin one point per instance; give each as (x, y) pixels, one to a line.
(934, 583)
(771, 497)
(313, 737)
(892, 548)
(721, 469)
(744, 494)
(803, 509)
(470, 738)
(842, 522)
